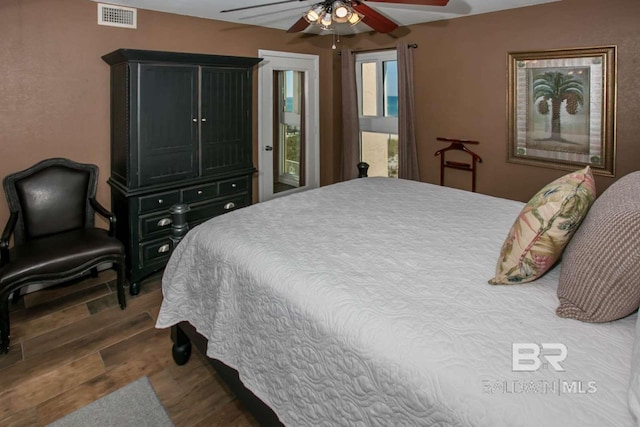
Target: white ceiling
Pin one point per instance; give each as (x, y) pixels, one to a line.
(283, 16)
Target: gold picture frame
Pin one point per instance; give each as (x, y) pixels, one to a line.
(562, 108)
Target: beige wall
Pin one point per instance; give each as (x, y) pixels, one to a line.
(54, 88)
(460, 69)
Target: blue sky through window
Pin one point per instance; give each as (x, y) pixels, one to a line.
(289, 83)
(392, 78)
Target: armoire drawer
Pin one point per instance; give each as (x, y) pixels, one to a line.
(155, 224)
(234, 185)
(204, 211)
(155, 251)
(199, 193)
(158, 201)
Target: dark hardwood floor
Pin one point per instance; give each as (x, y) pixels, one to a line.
(72, 344)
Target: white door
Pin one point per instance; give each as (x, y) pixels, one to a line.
(288, 140)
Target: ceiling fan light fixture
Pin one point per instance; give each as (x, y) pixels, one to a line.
(340, 12)
(313, 15)
(326, 20)
(354, 18)
(329, 12)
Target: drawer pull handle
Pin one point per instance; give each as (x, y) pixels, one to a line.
(234, 185)
(199, 192)
(230, 205)
(164, 248)
(164, 222)
(160, 201)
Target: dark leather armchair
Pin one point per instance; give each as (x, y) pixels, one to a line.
(52, 207)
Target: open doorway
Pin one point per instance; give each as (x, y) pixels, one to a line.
(288, 123)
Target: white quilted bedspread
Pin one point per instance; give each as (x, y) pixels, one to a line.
(367, 303)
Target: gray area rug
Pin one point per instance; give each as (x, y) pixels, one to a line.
(135, 404)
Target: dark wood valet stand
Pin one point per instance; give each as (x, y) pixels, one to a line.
(459, 145)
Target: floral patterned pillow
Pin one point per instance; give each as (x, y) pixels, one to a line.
(544, 227)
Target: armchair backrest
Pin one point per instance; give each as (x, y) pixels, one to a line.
(51, 197)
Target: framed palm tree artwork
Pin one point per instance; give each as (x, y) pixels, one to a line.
(562, 108)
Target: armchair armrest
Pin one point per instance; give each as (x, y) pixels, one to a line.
(106, 214)
(6, 236)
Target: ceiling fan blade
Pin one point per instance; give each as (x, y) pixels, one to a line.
(300, 25)
(259, 5)
(374, 19)
(417, 2)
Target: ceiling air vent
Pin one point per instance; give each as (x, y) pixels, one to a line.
(117, 16)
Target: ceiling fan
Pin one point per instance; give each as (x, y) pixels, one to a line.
(327, 12)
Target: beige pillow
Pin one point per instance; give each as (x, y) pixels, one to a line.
(600, 272)
(543, 228)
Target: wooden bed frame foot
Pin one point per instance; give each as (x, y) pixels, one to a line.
(181, 354)
(181, 350)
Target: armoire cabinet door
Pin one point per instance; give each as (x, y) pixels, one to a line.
(225, 138)
(168, 123)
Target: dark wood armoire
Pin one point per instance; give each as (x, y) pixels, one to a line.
(181, 132)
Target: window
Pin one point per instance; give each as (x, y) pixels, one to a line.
(377, 82)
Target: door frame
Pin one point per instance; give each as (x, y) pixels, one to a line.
(277, 60)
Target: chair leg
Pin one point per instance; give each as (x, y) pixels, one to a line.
(134, 288)
(120, 284)
(4, 325)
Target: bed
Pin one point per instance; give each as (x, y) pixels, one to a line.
(366, 303)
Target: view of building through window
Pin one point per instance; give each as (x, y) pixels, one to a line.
(290, 119)
(380, 151)
(377, 80)
(291, 153)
